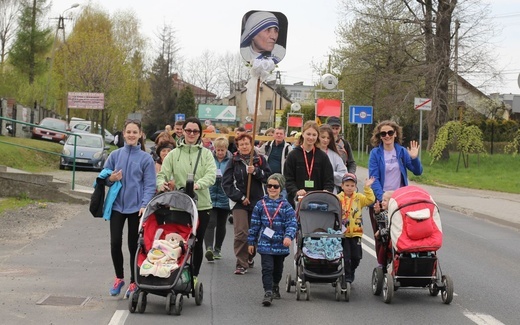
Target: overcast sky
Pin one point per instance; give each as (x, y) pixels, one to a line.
(215, 25)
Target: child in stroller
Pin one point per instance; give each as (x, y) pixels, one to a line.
(415, 235)
(163, 264)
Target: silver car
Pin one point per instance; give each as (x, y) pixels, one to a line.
(85, 127)
(91, 152)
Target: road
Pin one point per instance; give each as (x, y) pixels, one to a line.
(72, 264)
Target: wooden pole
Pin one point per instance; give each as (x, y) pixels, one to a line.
(253, 135)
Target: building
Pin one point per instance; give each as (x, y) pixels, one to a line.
(299, 93)
(201, 96)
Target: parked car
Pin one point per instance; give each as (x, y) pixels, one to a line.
(91, 152)
(85, 127)
(52, 135)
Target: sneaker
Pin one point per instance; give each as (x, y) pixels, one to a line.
(240, 270)
(268, 298)
(195, 280)
(131, 288)
(276, 292)
(209, 255)
(251, 262)
(216, 254)
(116, 288)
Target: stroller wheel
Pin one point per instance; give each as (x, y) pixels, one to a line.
(132, 302)
(169, 303)
(307, 290)
(178, 304)
(377, 281)
(298, 289)
(447, 292)
(141, 302)
(434, 289)
(338, 290)
(288, 283)
(388, 288)
(347, 292)
(199, 293)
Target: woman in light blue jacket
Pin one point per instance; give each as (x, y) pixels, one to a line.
(133, 170)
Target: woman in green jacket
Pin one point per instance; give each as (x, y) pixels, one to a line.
(184, 160)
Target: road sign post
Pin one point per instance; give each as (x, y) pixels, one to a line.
(360, 115)
(421, 104)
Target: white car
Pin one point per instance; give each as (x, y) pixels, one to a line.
(85, 126)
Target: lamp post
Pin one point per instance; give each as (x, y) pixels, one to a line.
(61, 25)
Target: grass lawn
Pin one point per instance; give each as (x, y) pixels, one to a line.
(498, 172)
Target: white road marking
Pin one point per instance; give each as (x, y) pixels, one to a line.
(119, 317)
(482, 319)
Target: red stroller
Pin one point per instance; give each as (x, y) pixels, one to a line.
(163, 265)
(415, 235)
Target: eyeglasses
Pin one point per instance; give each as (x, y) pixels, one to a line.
(383, 134)
(130, 121)
(190, 131)
(273, 186)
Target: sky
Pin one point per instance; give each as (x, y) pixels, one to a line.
(202, 25)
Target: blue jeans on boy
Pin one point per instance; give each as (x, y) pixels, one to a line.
(272, 270)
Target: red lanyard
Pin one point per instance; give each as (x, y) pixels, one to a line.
(309, 170)
(347, 209)
(274, 215)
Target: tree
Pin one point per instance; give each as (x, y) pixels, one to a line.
(161, 107)
(467, 139)
(32, 42)
(203, 72)
(8, 12)
(233, 73)
(186, 102)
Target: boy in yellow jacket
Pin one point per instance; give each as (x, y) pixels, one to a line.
(352, 204)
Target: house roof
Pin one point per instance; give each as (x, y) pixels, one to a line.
(197, 91)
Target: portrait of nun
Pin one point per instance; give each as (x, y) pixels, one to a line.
(264, 34)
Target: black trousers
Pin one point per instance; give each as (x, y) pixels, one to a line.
(117, 223)
(272, 270)
(216, 230)
(352, 255)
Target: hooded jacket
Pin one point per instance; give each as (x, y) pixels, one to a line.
(353, 219)
(284, 225)
(138, 182)
(181, 161)
(235, 180)
(218, 196)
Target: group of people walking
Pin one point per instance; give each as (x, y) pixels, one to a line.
(258, 185)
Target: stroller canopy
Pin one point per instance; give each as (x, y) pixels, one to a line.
(319, 209)
(176, 200)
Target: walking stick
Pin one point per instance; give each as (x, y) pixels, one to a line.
(253, 144)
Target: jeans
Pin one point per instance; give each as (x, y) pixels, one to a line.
(272, 270)
(216, 230)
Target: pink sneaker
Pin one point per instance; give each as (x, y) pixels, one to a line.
(116, 288)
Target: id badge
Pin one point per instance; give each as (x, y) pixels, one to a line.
(219, 172)
(309, 184)
(269, 232)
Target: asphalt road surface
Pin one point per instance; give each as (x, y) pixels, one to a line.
(63, 275)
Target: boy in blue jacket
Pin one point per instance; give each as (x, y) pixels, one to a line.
(273, 226)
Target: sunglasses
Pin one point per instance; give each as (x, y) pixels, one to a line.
(190, 131)
(383, 134)
(273, 186)
(130, 121)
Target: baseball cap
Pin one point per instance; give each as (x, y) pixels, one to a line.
(349, 177)
(333, 120)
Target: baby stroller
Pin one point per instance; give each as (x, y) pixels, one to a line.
(163, 265)
(414, 236)
(319, 252)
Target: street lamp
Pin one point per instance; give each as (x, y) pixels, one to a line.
(61, 25)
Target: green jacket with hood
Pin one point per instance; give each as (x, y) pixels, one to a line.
(181, 161)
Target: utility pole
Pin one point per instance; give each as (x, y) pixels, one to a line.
(456, 70)
(61, 25)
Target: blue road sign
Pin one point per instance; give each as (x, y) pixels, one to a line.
(360, 114)
(180, 117)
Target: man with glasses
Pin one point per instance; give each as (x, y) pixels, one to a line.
(344, 148)
(191, 158)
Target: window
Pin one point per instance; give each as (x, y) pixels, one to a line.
(268, 104)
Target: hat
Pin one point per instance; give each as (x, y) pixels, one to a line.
(279, 178)
(333, 120)
(349, 177)
(257, 22)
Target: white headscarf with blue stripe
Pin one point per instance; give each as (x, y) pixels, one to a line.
(256, 23)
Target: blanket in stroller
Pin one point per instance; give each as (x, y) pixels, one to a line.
(415, 224)
(162, 258)
(328, 248)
